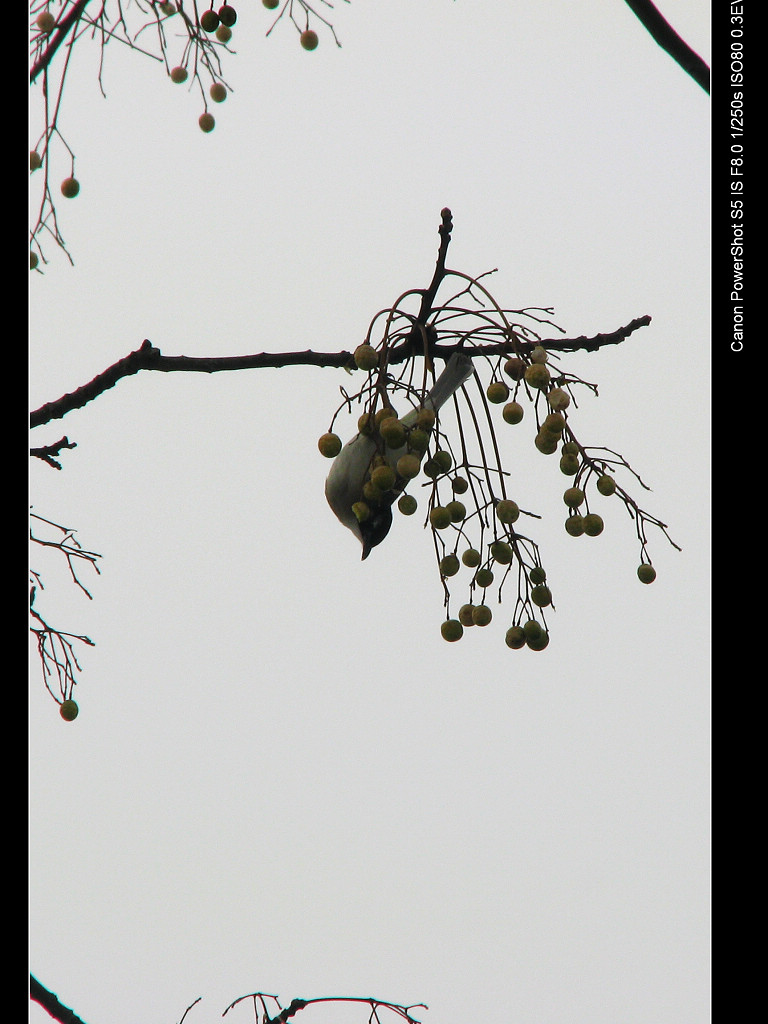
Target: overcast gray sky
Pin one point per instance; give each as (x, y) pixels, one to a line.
(282, 778)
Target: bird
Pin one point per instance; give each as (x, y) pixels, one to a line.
(344, 485)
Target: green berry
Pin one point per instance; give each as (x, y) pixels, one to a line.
(570, 448)
(372, 494)
(35, 160)
(459, 485)
(539, 355)
(444, 461)
(558, 399)
(512, 412)
(209, 21)
(471, 558)
(69, 710)
(593, 524)
(569, 465)
(207, 122)
(70, 188)
(366, 357)
(465, 615)
(439, 518)
(33, 260)
(408, 466)
(385, 413)
(646, 573)
(449, 565)
(481, 615)
(223, 34)
(452, 630)
(227, 15)
(497, 392)
(546, 443)
(515, 638)
(573, 497)
(270, 4)
(532, 629)
(540, 642)
(501, 552)
(507, 511)
(606, 485)
(574, 525)
(179, 75)
(218, 92)
(407, 504)
(514, 368)
(418, 439)
(554, 423)
(537, 376)
(393, 432)
(308, 39)
(537, 574)
(541, 596)
(425, 418)
(484, 578)
(329, 445)
(383, 477)
(457, 510)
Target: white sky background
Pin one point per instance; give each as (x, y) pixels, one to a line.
(282, 778)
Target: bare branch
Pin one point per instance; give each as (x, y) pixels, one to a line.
(147, 357)
(663, 33)
(51, 1004)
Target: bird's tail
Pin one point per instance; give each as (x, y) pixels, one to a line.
(457, 370)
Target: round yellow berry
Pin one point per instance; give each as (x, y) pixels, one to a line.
(408, 466)
(384, 477)
(512, 412)
(497, 392)
(537, 376)
(558, 399)
(366, 357)
(329, 445)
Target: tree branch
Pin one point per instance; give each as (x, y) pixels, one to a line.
(663, 33)
(51, 1004)
(57, 39)
(147, 357)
